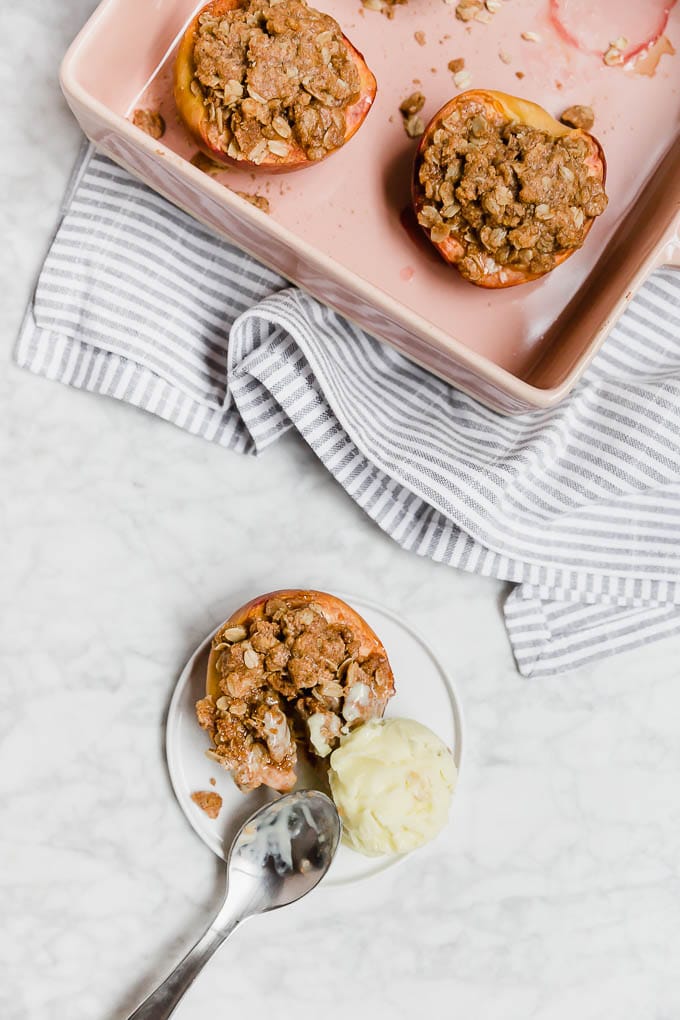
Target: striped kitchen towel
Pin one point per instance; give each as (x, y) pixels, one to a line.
(578, 507)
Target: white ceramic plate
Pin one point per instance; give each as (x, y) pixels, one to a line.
(424, 693)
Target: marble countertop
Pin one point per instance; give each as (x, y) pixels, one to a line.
(555, 892)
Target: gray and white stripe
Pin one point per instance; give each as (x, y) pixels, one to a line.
(579, 506)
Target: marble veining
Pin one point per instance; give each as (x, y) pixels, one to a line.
(553, 895)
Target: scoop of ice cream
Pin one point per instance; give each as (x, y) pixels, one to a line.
(392, 781)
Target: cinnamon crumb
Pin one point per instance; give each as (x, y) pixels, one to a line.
(208, 801)
(581, 117)
(476, 10)
(149, 121)
(259, 201)
(412, 104)
(420, 38)
(466, 10)
(385, 7)
(456, 65)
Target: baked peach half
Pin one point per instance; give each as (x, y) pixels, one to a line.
(291, 669)
(270, 83)
(503, 190)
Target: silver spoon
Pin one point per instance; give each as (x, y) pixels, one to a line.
(279, 855)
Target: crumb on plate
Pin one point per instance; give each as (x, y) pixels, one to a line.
(292, 674)
(409, 110)
(467, 10)
(208, 801)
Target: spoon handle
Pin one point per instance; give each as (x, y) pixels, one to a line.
(164, 1000)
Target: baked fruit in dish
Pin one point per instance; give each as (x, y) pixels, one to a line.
(503, 190)
(291, 667)
(270, 83)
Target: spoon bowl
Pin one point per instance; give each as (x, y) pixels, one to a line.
(282, 852)
(279, 855)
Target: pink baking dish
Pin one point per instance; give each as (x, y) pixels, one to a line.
(337, 228)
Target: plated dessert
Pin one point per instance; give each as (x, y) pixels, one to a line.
(292, 669)
(298, 676)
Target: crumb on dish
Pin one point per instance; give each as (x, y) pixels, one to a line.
(149, 121)
(410, 108)
(385, 7)
(302, 668)
(259, 201)
(577, 116)
(477, 10)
